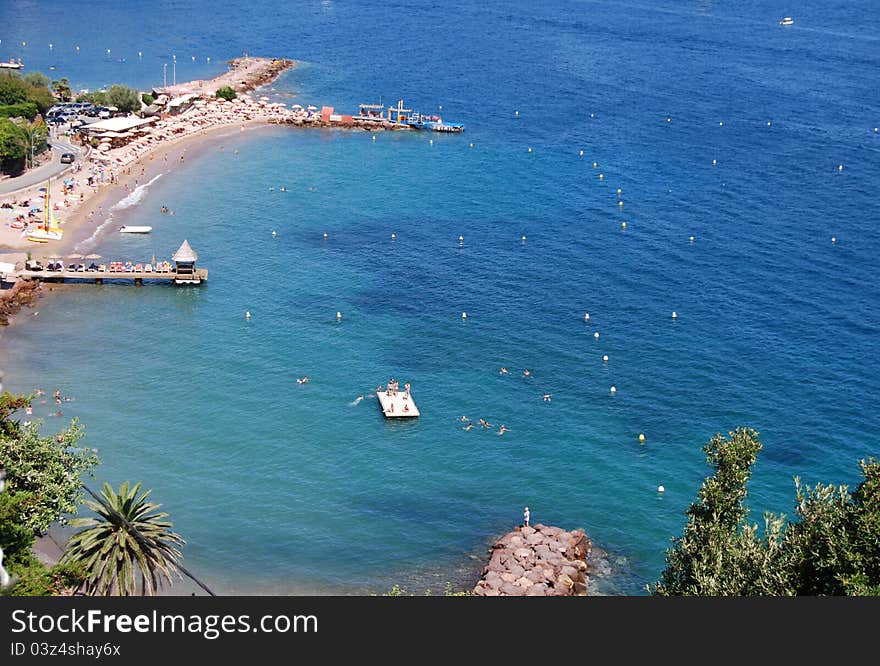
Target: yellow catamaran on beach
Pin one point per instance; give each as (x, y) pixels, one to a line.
(49, 229)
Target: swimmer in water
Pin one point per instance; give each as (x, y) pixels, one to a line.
(547, 397)
(485, 423)
(527, 373)
(464, 419)
(356, 400)
(469, 426)
(503, 429)
(303, 380)
(503, 371)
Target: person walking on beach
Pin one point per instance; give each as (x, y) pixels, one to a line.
(526, 517)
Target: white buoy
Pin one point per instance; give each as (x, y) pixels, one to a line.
(620, 204)
(374, 137)
(674, 314)
(875, 129)
(623, 225)
(596, 335)
(464, 315)
(642, 437)
(140, 54)
(601, 176)
(193, 58)
(834, 239)
(461, 240)
(274, 233)
(720, 123)
(516, 113)
(592, 115)
(247, 315)
(613, 390)
(840, 167)
(661, 489)
(325, 234)
(714, 162)
(587, 316)
(768, 123)
(691, 239)
(472, 145)
(77, 48)
(338, 316)
(523, 239)
(605, 358)
(668, 119)
(619, 191)
(431, 141)
(393, 236)
(530, 149)
(50, 45)
(581, 153)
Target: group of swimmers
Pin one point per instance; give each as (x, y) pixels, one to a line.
(468, 425)
(56, 395)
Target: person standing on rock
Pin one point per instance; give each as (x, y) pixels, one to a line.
(526, 517)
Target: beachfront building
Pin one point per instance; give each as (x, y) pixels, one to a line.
(116, 132)
(180, 104)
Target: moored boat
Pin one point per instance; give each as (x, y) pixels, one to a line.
(127, 229)
(787, 21)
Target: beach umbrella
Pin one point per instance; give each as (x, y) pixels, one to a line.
(75, 256)
(92, 256)
(312, 108)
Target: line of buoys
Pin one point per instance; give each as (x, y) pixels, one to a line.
(642, 437)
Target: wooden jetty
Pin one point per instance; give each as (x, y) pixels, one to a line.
(397, 404)
(184, 271)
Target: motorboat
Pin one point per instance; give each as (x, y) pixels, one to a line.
(127, 229)
(787, 21)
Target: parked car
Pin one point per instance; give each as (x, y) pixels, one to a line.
(68, 158)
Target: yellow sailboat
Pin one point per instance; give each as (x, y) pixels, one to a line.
(49, 229)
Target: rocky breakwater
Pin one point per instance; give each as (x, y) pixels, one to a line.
(539, 561)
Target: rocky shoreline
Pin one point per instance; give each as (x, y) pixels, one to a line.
(539, 561)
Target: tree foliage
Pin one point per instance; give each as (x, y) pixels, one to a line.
(124, 98)
(36, 79)
(226, 92)
(62, 89)
(98, 98)
(128, 540)
(833, 548)
(12, 89)
(48, 468)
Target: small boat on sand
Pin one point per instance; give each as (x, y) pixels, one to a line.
(126, 229)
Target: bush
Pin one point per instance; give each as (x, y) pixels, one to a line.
(147, 99)
(124, 98)
(21, 110)
(226, 93)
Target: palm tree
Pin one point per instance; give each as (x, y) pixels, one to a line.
(128, 537)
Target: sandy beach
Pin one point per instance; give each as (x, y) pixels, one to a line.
(82, 199)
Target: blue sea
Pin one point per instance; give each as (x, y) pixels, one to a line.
(712, 121)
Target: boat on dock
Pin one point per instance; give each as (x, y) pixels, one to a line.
(11, 64)
(127, 229)
(433, 123)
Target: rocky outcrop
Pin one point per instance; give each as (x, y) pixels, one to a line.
(539, 561)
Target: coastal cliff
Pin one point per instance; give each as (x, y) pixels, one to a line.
(539, 561)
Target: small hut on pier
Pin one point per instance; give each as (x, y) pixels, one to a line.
(185, 264)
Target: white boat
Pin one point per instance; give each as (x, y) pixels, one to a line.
(125, 229)
(787, 21)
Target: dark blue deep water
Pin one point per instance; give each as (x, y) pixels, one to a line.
(712, 120)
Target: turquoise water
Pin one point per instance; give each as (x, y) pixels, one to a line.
(280, 487)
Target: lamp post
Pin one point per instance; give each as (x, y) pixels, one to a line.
(174, 70)
(164, 74)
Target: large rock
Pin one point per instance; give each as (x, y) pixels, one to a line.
(537, 561)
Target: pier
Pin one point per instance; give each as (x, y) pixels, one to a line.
(397, 404)
(183, 271)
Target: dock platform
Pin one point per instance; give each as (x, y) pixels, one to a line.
(198, 276)
(397, 404)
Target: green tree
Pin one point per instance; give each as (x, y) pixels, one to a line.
(62, 89)
(129, 539)
(147, 99)
(226, 92)
(36, 80)
(42, 97)
(48, 468)
(124, 98)
(98, 98)
(12, 89)
(13, 142)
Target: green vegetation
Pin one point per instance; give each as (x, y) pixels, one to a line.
(832, 549)
(126, 99)
(98, 98)
(398, 591)
(147, 99)
(19, 142)
(22, 99)
(129, 540)
(226, 92)
(30, 90)
(36, 79)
